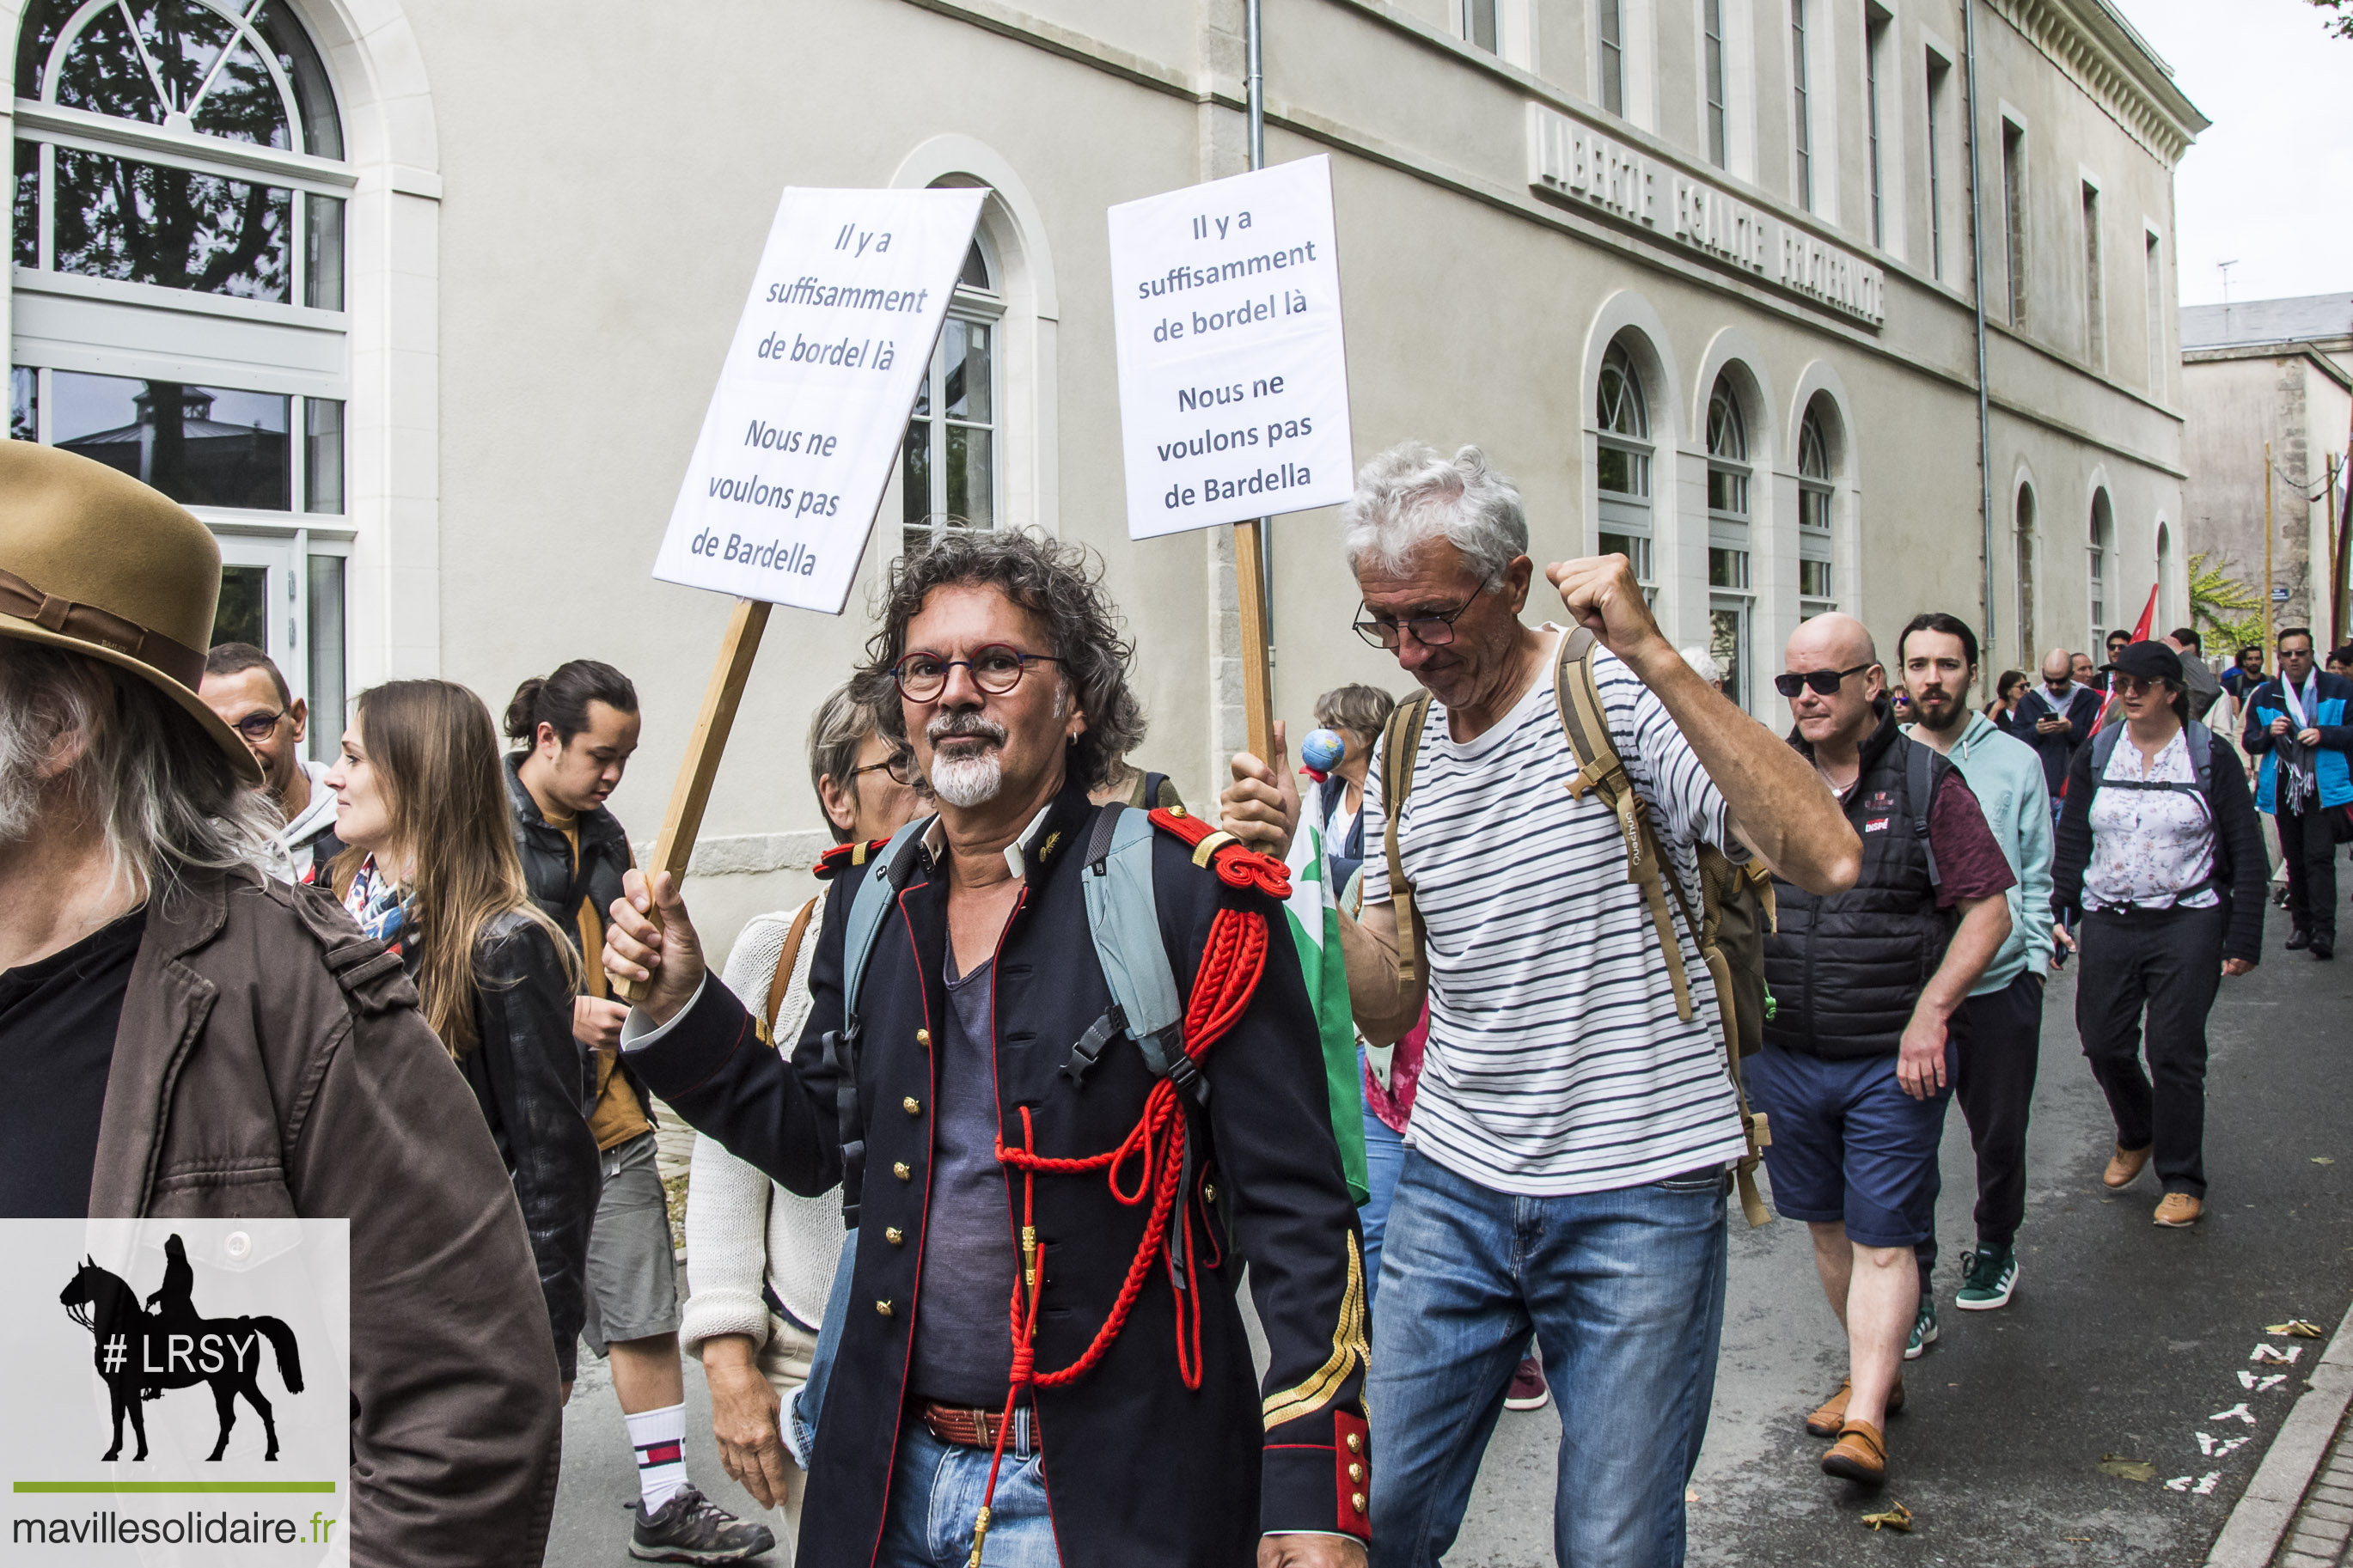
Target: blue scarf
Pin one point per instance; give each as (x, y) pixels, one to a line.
(382, 906)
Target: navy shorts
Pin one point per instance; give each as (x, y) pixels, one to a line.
(1849, 1144)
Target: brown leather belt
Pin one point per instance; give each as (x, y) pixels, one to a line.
(977, 1428)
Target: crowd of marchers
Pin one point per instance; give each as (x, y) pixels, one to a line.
(987, 1131)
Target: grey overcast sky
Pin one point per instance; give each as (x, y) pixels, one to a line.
(2271, 185)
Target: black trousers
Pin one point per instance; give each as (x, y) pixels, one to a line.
(1993, 1082)
(2169, 962)
(2308, 845)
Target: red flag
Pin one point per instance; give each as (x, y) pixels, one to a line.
(2140, 633)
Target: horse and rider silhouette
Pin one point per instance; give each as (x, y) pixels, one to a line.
(140, 1354)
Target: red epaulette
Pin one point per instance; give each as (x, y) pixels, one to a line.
(1236, 863)
(841, 854)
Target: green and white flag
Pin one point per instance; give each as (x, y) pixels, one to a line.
(1315, 910)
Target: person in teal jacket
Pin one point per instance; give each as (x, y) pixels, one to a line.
(2297, 723)
(1995, 1079)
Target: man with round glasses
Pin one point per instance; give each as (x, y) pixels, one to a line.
(1867, 986)
(244, 686)
(1051, 1229)
(1575, 1121)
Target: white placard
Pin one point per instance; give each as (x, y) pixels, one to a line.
(1233, 379)
(811, 408)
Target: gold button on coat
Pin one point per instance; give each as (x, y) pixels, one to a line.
(900, 1171)
(1356, 1474)
(915, 1107)
(884, 1307)
(923, 1038)
(894, 1235)
(1355, 1443)
(1355, 1499)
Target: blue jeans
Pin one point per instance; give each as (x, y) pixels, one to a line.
(1384, 1158)
(935, 1492)
(1625, 1292)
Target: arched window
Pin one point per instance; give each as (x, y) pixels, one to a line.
(179, 308)
(1815, 553)
(1622, 465)
(950, 469)
(2102, 536)
(2022, 548)
(2171, 602)
(1731, 604)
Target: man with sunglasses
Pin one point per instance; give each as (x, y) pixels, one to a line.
(2297, 723)
(1867, 987)
(244, 686)
(1013, 1287)
(1575, 1123)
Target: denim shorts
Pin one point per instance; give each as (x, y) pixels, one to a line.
(1849, 1144)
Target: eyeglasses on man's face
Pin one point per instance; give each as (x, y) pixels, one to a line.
(994, 668)
(1433, 630)
(1820, 682)
(260, 727)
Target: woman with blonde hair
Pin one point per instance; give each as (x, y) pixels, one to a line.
(429, 868)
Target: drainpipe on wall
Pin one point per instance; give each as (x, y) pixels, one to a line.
(1978, 288)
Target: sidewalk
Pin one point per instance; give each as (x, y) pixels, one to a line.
(2297, 1510)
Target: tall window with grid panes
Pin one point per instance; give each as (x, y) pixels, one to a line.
(1622, 466)
(1731, 603)
(948, 474)
(178, 223)
(1816, 590)
(2101, 543)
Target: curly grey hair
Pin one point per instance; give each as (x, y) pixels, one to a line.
(1061, 584)
(169, 802)
(1410, 494)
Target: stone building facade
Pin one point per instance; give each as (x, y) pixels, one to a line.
(419, 302)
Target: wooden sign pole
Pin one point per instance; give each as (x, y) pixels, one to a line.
(683, 821)
(1250, 584)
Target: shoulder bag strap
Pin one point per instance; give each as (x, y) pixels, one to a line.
(1920, 789)
(1400, 744)
(781, 981)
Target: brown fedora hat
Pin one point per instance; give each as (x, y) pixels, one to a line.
(93, 560)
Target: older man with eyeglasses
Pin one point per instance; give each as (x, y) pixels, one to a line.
(244, 686)
(1575, 1124)
(1867, 985)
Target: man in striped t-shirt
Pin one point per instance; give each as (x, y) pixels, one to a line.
(1570, 1148)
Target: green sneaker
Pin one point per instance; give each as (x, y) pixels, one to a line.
(1992, 1275)
(1924, 1328)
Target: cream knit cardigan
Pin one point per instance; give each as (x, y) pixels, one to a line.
(741, 1226)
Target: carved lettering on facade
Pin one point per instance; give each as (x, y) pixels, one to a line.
(1566, 159)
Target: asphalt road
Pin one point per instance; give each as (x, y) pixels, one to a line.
(2123, 1340)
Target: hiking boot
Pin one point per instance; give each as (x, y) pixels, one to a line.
(2123, 1165)
(1859, 1454)
(2298, 940)
(1528, 1390)
(2179, 1211)
(1827, 1421)
(690, 1528)
(1923, 1330)
(1992, 1275)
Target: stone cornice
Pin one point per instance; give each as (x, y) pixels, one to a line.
(2095, 48)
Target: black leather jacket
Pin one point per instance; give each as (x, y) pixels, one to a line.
(526, 1072)
(558, 889)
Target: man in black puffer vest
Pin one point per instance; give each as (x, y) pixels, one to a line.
(1865, 986)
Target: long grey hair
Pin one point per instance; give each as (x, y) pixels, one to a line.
(169, 802)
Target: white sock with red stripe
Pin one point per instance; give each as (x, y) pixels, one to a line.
(659, 1438)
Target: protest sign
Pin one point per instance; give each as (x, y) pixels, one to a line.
(811, 406)
(1233, 378)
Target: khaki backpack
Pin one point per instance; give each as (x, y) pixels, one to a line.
(1735, 901)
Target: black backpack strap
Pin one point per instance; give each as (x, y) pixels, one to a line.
(1920, 788)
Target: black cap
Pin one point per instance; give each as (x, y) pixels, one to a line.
(2148, 661)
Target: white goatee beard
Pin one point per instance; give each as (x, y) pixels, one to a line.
(969, 780)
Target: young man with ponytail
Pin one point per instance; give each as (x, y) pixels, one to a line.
(575, 731)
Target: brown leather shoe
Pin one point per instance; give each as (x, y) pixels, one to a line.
(1859, 1454)
(2179, 1211)
(1827, 1420)
(2123, 1165)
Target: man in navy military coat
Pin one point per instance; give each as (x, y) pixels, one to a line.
(1000, 661)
